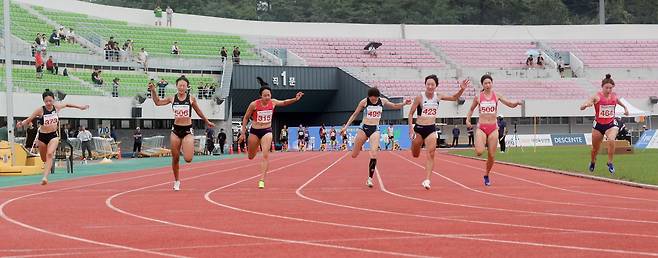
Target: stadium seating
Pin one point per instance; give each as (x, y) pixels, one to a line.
(26, 26)
(406, 88)
(156, 40)
(133, 83)
(498, 54)
(633, 89)
(612, 53)
(512, 89)
(24, 78)
(351, 53)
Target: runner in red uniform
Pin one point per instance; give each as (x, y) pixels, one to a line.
(604, 103)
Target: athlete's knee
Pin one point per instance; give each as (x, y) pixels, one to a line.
(188, 160)
(415, 152)
(479, 152)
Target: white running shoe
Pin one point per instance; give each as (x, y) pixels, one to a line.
(369, 182)
(426, 184)
(176, 185)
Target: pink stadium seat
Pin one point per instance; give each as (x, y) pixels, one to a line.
(349, 52)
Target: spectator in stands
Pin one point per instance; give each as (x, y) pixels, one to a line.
(540, 61)
(108, 51)
(175, 50)
(137, 141)
(236, 54)
(61, 33)
(96, 77)
(126, 50)
(111, 42)
(644, 128)
(455, 136)
(211, 89)
(221, 138)
(44, 43)
(224, 54)
(85, 142)
(502, 132)
(162, 85)
(54, 38)
(200, 91)
(142, 58)
(170, 14)
(148, 86)
(529, 62)
(37, 40)
(52, 66)
(560, 67)
(34, 48)
(471, 136)
(158, 16)
(70, 36)
(115, 87)
(38, 64)
(111, 50)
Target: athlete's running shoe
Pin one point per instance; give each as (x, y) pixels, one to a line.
(486, 181)
(176, 185)
(426, 184)
(261, 184)
(591, 167)
(369, 182)
(611, 168)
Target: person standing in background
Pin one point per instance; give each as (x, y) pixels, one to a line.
(170, 14)
(221, 138)
(137, 141)
(158, 16)
(502, 132)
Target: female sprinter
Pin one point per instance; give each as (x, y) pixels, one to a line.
(426, 106)
(487, 129)
(372, 107)
(604, 103)
(48, 139)
(260, 134)
(181, 136)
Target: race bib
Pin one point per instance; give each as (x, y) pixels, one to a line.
(487, 107)
(374, 112)
(181, 111)
(429, 110)
(264, 116)
(50, 119)
(607, 111)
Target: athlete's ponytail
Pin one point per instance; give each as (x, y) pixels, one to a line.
(608, 79)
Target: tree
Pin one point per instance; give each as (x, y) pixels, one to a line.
(501, 12)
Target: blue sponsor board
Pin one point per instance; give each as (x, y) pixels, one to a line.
(645, 140)
(568, 139)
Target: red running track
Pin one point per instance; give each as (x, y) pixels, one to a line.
(317, 204)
